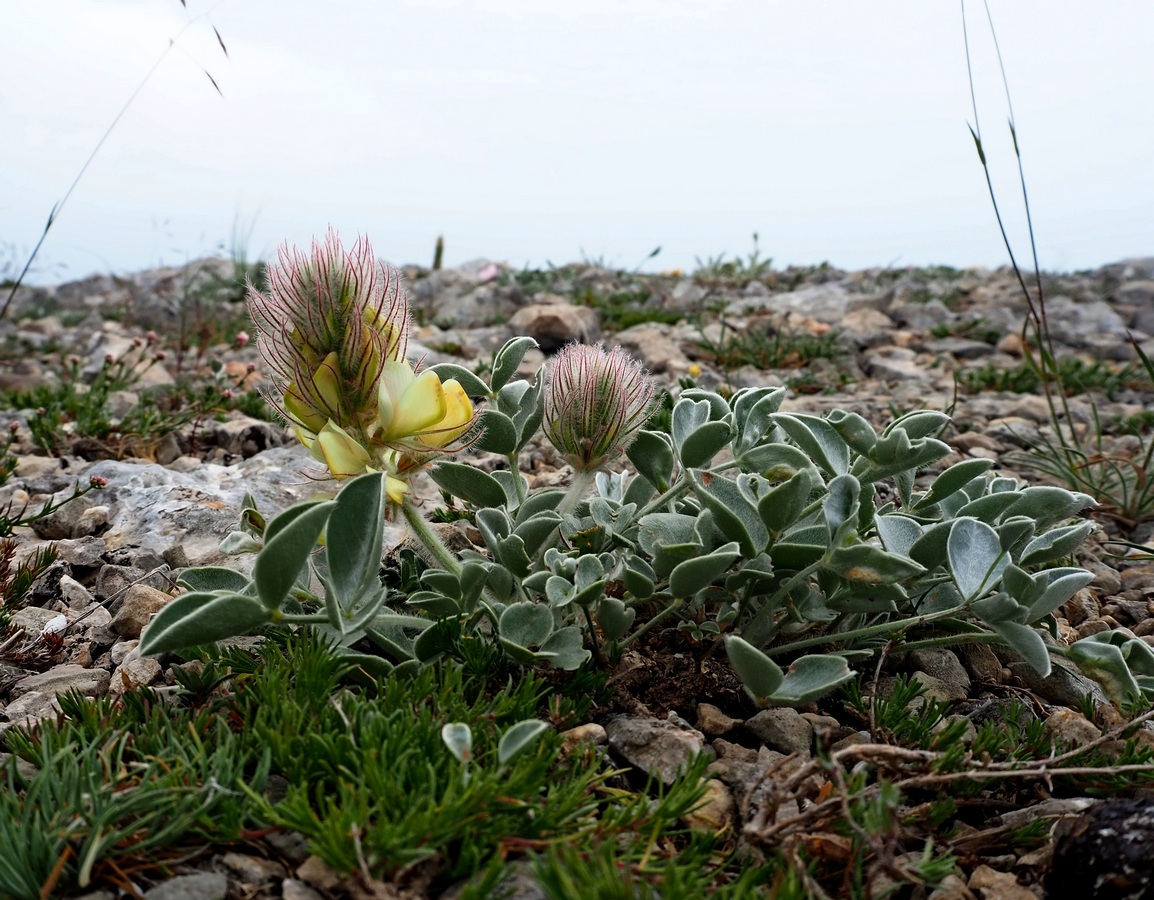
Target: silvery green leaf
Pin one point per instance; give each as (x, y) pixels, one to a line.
(614, 618)
(777, 462)
(500, 583)
(472, 576)
(469, 382)
(687, 417)
(753, 410)
(589, 570)
(898, 533)
(668, 556)
(952, 480)
(434, 603)
(508, 481)
(590, 594)
(639, 578)
(493, 524)
(755, 574)
(789, 556)
(889, 459)
(432, 643)
(526, 624)
(783, 505)
(458, 737)
(470, 484)
(872, 565)
(759, 674)
(530, 411)
(989, 508)
(703, 530)
(841, 503)
(941, 597)
(660, 529)
(705, 442)
(818, 439)
(693, 575)
(285, 553)
(1046, 504)
(854, 430)
(447, 583)
(508, 359)
(213, 578)
(353, 538)
(811, 677)
(565, 648)
(920, 423)
(734, 515)
(372, 666)
(237, 542)
(976, 557)
(498, 433)
(1056, 543)
(511, 554)
(559, 591)
(538, 501)
(868, 598)
(1026, 642)
(536, 530)
(718, 407)
(1015, 531)
(251, 521)
(1061, 585)
(521, 736)
(639, 492)
(1001, 607)
(652, 456)
(509, 397)
(1020, 585)
(1104, 662)
(536, 581)
(201, 617)
(394, 633)
(286, 517)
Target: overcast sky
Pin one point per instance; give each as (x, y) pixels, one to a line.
(534, 131)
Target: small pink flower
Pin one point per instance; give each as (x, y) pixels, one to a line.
(241, 339)
(98, 481)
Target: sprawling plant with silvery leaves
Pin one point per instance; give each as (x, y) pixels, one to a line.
(803, 542)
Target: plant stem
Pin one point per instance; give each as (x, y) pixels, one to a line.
(665, 613)
(597, 654)
(678, 489)
(430, 539)
(867, 631)
(517, 482)
(581, 481)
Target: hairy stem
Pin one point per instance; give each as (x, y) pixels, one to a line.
(430, 539)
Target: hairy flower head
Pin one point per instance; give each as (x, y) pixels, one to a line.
(596, 400)
(327, 324)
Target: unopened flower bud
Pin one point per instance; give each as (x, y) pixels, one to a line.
(595, 403)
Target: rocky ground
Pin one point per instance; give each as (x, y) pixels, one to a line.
(876, 342)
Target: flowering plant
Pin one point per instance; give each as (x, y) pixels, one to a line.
(741, 522)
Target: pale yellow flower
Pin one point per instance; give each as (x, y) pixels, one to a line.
(418, 411)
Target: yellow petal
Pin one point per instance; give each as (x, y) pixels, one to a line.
(342, 454)
(327, 381)
(396, 489)
(421, 406)
(395, 377)
(458, 416)
(300, 410)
